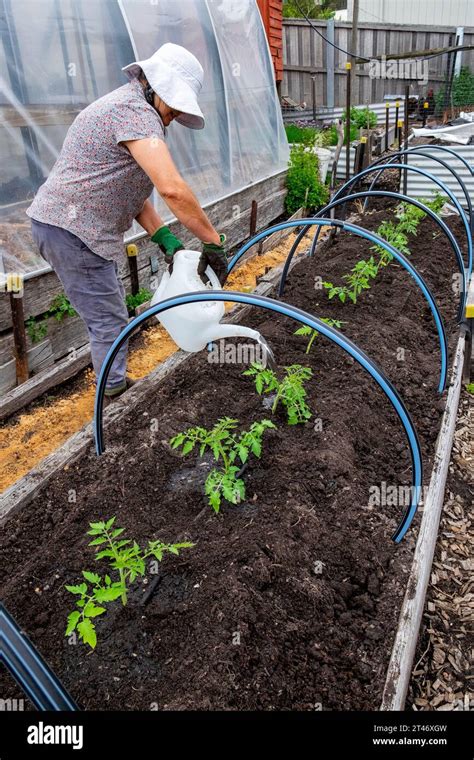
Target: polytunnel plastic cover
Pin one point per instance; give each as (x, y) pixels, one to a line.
(57, 56)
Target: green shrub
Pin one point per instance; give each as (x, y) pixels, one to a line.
(305, 135)
(37, 329)
(133, 301)
(303, 183)
(360, 117)
(326, 138)
(320, 138)
(322, 10)
(61, 307)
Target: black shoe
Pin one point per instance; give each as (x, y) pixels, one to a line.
(109, 398)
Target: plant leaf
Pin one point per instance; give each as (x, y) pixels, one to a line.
(87, 632)
(109, 594)
(244, 453)
(81, 590)
(105, 553)
(72, 622)
(91, 577)
(97, 527)
(98, 541)
(91, 611)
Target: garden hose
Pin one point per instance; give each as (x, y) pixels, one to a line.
(29, 669)
(406, 199)
(361, 232)
(304, 318)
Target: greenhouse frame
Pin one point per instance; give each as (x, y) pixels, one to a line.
(74, 54)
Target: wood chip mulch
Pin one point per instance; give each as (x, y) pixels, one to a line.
(442, 675)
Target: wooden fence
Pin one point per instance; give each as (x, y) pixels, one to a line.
(306, 54)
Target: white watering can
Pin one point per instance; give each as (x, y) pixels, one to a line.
(194, 325)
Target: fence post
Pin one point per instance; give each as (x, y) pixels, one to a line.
(132, 253)
(348, 118)
(405, 135)
(330, 72)
(19, 337)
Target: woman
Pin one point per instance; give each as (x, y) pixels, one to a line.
(113, 155)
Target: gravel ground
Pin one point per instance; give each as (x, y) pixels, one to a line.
(440, 678)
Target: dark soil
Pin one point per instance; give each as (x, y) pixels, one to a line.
(291, 599)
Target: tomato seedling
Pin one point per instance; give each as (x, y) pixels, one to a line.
(127, 559)
(290, 391)
(313, 334)
(227, 446)
(395, 234)
(357, 280)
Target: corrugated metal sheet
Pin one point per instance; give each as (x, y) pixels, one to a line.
(419, 186)
(341, 164)
(329, 114)
(379, 109)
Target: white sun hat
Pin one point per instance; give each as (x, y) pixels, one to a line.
(176, 76)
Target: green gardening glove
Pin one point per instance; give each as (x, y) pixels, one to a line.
(168, 244)
(214, 256)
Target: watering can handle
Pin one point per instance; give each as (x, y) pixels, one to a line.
(213, 278)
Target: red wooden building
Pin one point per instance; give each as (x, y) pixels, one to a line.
(272, 15)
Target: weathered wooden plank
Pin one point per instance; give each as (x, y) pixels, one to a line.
(39, 116)
(38, 384)
(68, 334)
(39, 357)
(38, 294)
(403, 651)
(7, 376)
(6, 349)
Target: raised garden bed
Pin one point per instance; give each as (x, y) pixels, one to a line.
(291, 599)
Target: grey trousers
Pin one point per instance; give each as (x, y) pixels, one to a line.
(95, 291)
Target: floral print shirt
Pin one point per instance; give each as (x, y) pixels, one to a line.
(96, 189)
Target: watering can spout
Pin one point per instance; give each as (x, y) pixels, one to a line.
(261, 353)
(232, 331)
